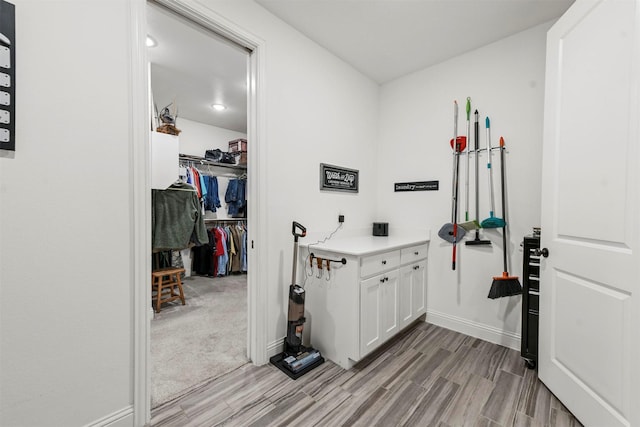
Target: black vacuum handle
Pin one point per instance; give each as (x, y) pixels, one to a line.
(297, 225)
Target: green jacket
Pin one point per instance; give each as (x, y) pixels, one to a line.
(176, 218)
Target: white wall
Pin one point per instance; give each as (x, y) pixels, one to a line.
(66, 354)
(505, 81)
(196, 137)
(318, 110)
(67, 325)
(66, 314)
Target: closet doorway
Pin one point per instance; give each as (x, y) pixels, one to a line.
(198, 90)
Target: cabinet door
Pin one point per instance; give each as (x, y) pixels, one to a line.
(389, 304)
(419, 289)
(412, 295)
(405, 295)
(370, 322)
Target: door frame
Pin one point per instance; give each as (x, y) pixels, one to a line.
(140, 171)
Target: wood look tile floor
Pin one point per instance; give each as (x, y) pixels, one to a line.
(428, 376)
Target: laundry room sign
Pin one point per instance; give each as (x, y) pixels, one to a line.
(335, 178)
(416, 186)
(7, 76)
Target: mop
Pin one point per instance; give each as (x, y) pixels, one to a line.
(450, 232)
(469, 225)
(476, 137)
(505, 285)
(492, 221)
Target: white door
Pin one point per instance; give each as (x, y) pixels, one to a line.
(589, 354)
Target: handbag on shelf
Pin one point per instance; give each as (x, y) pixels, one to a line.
(219, 156)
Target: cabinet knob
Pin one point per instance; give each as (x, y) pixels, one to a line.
(416, 253)
(384, 261)
(415, 267)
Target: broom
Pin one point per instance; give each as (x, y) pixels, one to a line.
(505, 285)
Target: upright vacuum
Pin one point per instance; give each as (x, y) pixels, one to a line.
(296, 359)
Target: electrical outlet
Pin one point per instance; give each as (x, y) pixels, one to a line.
(340, 218)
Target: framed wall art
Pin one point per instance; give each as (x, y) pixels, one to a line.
(336, 178)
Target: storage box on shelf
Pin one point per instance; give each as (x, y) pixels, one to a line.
(239, 147)
(356, 307)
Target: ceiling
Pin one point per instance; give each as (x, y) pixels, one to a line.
(391, 38)
(383, 39)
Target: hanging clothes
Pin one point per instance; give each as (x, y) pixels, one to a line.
(176, 218)
(235, 197)
(204, 256)
(236, 259)
(221, 251)
(211, 200)
(244, 250)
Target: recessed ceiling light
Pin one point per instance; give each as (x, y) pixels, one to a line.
(218, 107)
(151, 42)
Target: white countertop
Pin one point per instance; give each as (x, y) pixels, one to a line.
(365, 245)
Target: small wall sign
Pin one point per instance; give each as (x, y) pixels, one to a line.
(416, 186)
(335, 178)
(7, 76)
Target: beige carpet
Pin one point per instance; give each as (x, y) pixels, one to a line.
(203, 339)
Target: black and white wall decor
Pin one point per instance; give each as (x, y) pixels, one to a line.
(416, 186)
(7, 76)
(335, 178)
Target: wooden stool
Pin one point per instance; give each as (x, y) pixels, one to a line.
(163, 282)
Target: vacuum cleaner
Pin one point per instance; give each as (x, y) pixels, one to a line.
(296, 359)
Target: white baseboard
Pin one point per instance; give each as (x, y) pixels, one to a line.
(275, 347)
(474, 329)
(120, 418)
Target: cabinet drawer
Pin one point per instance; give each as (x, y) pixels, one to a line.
(534, 304)
(375, 264)
(413, 253)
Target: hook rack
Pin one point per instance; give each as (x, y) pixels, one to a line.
(342, 261)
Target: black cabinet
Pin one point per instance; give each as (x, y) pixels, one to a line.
(530, 300)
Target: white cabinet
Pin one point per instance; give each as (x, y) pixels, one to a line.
(356, 307)
(393, 298)
(164, 160)
(378, 310)
(389, 304)
(412, 292)
(370, 316)
(375, 264)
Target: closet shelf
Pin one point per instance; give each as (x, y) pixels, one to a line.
(208, 166)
